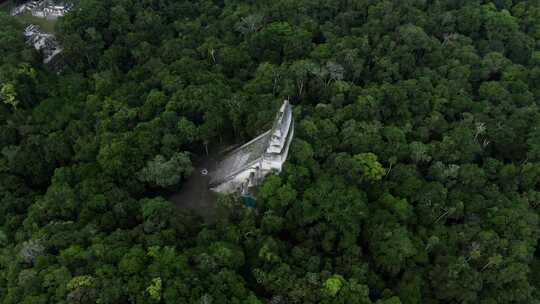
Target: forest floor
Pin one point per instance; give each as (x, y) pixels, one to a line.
(195, 194)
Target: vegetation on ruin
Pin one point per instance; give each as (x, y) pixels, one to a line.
(26, 18)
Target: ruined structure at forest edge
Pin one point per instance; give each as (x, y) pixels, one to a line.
(44, 42)
(41, 41)
(48, 9)
(248, 165)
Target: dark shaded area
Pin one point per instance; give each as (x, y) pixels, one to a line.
(195, 194)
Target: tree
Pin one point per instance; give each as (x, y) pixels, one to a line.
(336, 203)
(82, 290)
(8, 95)
(412, 176)
(154, 290)
(30, 251)
(391, 244)
(249, 24)
(166, 173)
(333, 284)
(371, 169)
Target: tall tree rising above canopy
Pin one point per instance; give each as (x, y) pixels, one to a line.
(414, 176)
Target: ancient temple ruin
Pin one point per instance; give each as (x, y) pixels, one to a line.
(43, 42)
(48, 9)
(248, 165)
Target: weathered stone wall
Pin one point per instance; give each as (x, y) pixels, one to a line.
(43, 42)
(248, 165)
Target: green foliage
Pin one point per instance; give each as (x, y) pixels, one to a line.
(80, 281)
(154, 290)
(8, 95)
(412, 178)
(333, 285)
(165, 173)
(371, 169)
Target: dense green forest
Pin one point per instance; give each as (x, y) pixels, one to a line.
(414, 176)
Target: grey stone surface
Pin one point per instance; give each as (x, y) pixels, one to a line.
(49, 9)
(41, 41)
(240, 158)
(44, 42)
(248, 165)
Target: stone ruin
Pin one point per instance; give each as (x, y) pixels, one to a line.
(43, 42)
(48, 9)
(248, 165)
